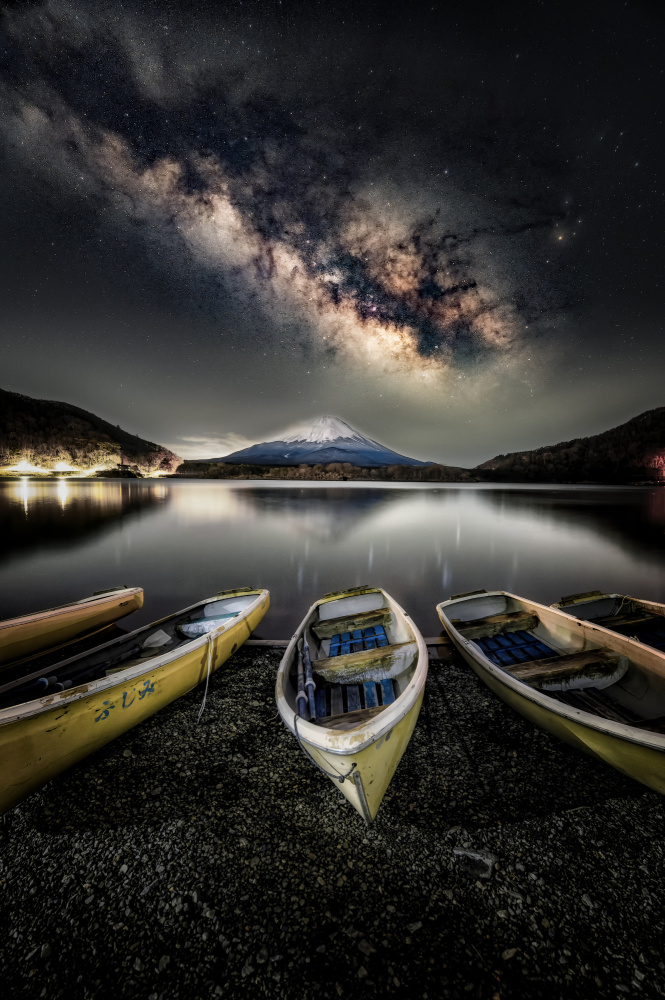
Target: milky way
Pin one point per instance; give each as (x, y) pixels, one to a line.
(318, 207)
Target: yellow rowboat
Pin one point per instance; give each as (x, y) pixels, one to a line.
(28, 634)
(350, 687)
(114, 687)
(641, 621)
(597, 690)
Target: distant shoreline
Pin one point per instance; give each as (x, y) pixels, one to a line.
(286, 480)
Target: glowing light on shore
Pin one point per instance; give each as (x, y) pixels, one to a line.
(25, 466)
(84, 473)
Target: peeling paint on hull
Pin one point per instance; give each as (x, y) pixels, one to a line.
(45, 737)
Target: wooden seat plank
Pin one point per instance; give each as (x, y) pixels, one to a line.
(349, 623)
(570, 665)
(335, 667)
(514, 621)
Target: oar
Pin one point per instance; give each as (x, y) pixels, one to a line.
(301, 696)
(25, 693)
(26, 689)
(81, 670)
(309, 681)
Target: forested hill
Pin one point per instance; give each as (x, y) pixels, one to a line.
(44, 433)
(631, 452)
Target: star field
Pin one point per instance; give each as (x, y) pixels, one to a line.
(382, 211)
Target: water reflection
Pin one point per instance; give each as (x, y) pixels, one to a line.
(39, 515)
(185, 540)
(63, 493)
(327, 514)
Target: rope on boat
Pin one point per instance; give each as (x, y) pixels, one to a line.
(625, 599)
(336, 777)
(205, 693)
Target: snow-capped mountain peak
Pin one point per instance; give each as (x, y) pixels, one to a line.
(321, 430)
(320, 442)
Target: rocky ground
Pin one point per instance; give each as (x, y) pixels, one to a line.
(212, 860)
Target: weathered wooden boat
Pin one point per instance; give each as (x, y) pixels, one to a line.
(48, 722)
(641, 621)
(19, 637)
(350, 687)
(597, 690)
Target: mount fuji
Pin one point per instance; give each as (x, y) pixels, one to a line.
(324, 440)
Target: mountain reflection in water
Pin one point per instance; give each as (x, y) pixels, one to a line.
(185, 540)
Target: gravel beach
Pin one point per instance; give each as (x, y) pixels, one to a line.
(213, 860)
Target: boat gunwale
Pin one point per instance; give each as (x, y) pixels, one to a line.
(647, 605)
(36, 616)
(63, 699)
(355, 740)
(586, 600)
(631, 734)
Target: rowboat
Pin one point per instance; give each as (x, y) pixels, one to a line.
(350, 686)
(597, 690)
(28, 634)
(48, 723)
(642, 621)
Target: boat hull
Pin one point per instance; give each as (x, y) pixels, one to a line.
(30, 634)
(638, 753)
(644, 763)
(64, 728)
(375, 763)
(367, 755)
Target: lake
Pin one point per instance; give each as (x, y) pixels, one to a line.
(185, 540)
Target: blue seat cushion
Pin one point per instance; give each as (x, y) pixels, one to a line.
(371, 697)
(514, 647)
(352, 698)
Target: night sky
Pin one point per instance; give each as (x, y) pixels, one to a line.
(442, 222)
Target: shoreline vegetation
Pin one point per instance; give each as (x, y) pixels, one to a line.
(342, 472)
(333, 471)
(397, 474)
(50, 436)
(43, 439)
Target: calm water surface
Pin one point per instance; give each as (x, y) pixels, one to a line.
(185, 540)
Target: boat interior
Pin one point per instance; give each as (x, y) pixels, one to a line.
(46, 673)
(363, 656)
(621, 614)
(563, 663)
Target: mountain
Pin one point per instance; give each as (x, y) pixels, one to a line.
(633, 451)
(46, 434)
(325, 440)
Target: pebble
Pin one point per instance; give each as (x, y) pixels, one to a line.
(477, 863)
(484, 874)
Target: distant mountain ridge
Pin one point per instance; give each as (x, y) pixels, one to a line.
(632, 451)
(321, 442)
(45, 433)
